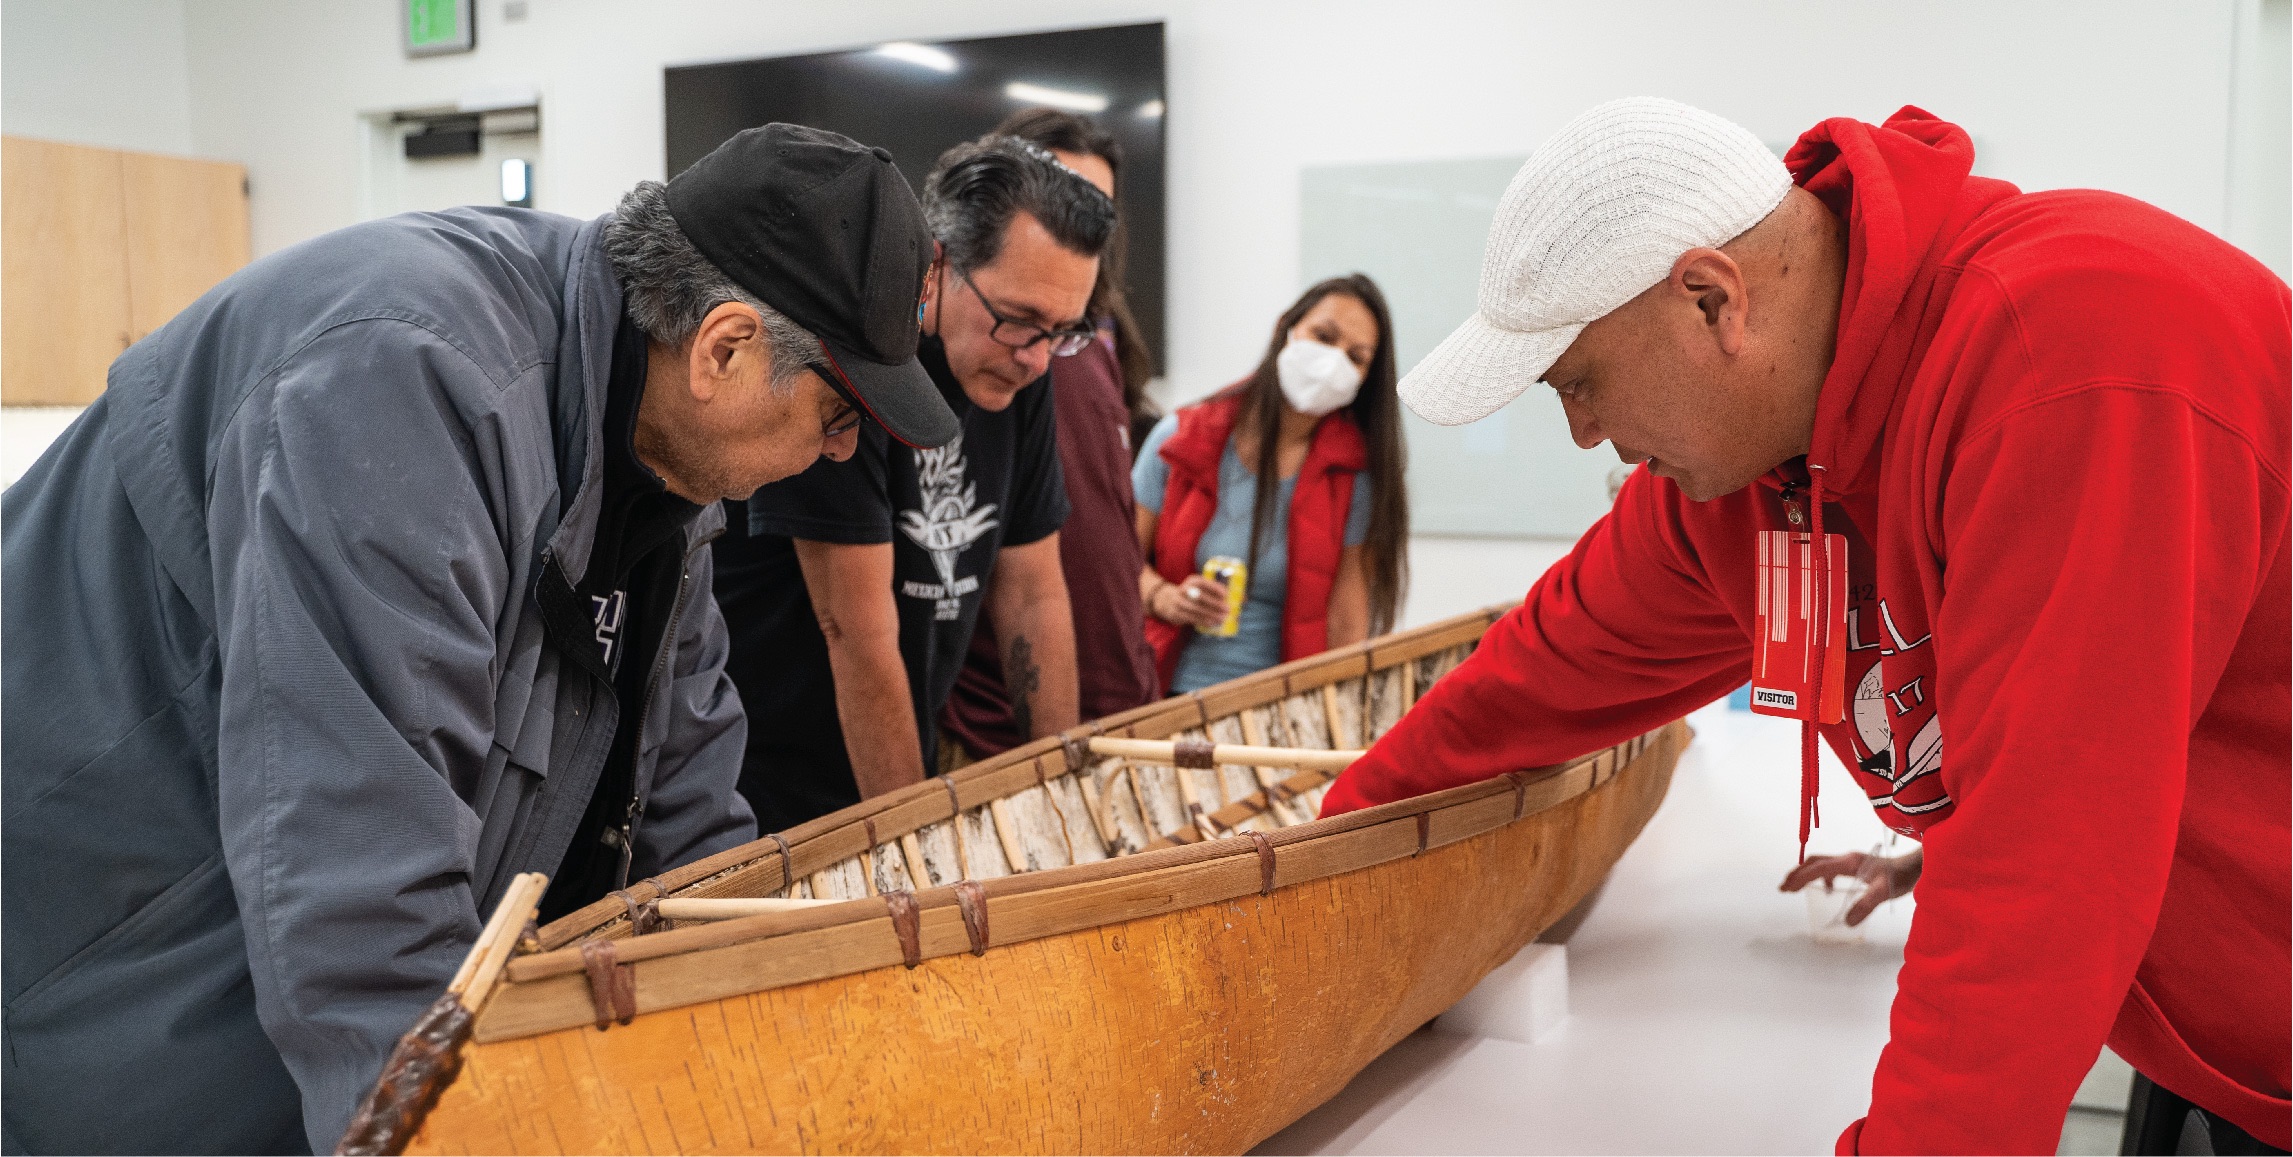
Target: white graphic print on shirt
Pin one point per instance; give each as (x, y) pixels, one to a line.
(1903, 785)
(609, 610)
(945, 526)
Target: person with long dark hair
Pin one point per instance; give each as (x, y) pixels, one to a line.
(1296, 472)
(1101, 559)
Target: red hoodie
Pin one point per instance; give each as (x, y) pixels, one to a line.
(2055, 434)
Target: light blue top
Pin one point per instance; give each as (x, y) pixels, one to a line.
(1257, 643)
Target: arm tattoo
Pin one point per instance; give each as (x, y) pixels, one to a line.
(1021, 679)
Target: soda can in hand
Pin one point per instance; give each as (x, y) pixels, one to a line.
(1235, 575)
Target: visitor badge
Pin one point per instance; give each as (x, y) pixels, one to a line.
(1784, 679)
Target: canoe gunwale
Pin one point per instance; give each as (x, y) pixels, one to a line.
(808, 847)
(548, 992)
(564, 961)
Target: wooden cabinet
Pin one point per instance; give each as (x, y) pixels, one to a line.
(63, 258)
(97, 249)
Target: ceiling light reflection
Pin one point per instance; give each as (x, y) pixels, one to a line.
(1072, 101)
(921, 55)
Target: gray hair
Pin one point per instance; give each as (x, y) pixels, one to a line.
(668, 288)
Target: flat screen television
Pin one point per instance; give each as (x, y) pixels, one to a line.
(918, 98)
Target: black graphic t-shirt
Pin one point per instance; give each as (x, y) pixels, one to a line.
(945, 512)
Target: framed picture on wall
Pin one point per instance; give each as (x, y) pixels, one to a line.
(437, 27)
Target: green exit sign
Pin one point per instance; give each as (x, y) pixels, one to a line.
(435, 27)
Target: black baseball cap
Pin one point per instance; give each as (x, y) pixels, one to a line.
(825, 230)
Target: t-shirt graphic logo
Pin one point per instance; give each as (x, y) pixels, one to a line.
(945, 526)
(608, 611)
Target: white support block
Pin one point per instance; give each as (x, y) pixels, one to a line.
(1522, 1000)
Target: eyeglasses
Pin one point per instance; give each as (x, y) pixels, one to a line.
(845, 425)
(854, 413)
(1019, 335)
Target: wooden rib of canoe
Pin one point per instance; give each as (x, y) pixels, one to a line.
(1088, 944)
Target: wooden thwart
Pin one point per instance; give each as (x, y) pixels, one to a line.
(733, 909)
(1223, 754)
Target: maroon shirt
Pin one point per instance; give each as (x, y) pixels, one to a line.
(1099, 550)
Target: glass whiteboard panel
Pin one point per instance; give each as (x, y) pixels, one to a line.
(1418, 229)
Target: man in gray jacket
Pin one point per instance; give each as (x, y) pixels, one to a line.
(376, 578)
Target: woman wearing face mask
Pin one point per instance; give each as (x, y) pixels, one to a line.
(1323, 542)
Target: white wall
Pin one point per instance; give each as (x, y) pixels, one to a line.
(1450, 576)
(2128, 95)
(2261, 133)
(110, 73)
(25, 434)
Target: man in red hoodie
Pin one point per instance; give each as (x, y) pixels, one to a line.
(2044, 437)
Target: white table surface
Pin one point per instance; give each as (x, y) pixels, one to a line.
(1704, 1017)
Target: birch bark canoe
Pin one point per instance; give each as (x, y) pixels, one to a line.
(1054, 950)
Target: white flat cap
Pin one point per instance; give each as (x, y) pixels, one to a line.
(1593, 219)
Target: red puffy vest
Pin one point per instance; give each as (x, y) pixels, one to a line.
(1318, 509)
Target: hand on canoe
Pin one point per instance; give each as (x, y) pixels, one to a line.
(1883, 878)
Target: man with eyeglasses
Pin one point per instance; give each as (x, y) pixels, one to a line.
(853, 596)
(375, 579)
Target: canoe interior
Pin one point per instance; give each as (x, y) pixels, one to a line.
(1041, 807)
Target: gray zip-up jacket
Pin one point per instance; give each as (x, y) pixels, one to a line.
(283, 716)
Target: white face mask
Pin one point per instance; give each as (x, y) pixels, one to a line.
(1316, 378)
